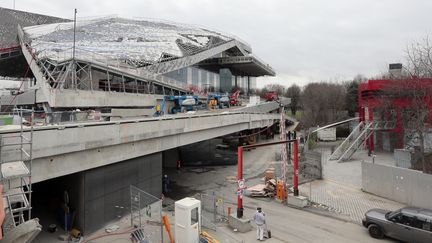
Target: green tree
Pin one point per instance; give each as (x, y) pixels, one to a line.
(294, 92)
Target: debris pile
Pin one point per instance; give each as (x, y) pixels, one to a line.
(268, 189)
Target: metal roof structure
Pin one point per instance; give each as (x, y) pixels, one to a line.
(10, 19)
(154, 45)
(120, 55)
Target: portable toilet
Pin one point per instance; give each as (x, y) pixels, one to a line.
(187, 220)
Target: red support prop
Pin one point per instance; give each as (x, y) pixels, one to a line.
(240, 179)
(296, 170)
(371, 138)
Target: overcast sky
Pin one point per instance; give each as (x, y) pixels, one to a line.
(303, 40)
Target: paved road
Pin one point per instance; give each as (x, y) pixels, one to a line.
(293, 225)
(287, 224)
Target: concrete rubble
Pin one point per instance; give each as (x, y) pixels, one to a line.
(25, 232)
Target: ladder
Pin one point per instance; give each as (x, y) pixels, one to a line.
(15, 171)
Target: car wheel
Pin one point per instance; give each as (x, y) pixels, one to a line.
(375, 231)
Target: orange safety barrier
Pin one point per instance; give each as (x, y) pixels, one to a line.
(167, 227)
(281, 191)
(2, 212)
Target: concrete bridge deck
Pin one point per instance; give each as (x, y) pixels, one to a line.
(60, 150)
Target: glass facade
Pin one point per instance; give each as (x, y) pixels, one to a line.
(223, 81)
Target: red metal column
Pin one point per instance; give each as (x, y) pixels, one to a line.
(371, 138)
(240, 178)
(296, 171)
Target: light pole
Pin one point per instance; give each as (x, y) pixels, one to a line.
(74, 32)
(73, 53)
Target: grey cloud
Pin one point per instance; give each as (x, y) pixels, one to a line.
(303, 40)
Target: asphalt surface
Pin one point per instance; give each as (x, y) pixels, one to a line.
(287, 224)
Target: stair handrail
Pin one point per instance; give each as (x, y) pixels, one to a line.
(347, 139)
(365, 130)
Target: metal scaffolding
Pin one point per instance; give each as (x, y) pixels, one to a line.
(16, 169)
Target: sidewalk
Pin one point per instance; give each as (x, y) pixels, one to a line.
(345, 199)
(340, 190)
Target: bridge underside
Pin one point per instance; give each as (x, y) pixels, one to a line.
(238, 65)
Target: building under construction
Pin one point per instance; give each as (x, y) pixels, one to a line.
(89, 95)
(129, 58)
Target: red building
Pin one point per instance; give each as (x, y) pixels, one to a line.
(387, 103)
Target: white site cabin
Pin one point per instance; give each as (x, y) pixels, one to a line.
(187, 220)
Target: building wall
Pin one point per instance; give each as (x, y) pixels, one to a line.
(406, 186)
(226, 80)
(170, 158)
(108, 186)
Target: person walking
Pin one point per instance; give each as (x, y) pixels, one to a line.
(165, 183)
(259, 219)
(178, 165)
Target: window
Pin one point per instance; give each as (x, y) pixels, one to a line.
(427, 226)
(422, 224)
(194, 216)
(406, 220)
(393, 216)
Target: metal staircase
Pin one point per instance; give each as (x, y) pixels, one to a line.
(350, 145)
(358, 137)
(15, 172)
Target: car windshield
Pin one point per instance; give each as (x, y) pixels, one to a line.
(390, 215)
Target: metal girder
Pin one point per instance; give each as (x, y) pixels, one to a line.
(49, 72)
(168, 66)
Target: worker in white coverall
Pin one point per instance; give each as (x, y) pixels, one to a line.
(259, 219)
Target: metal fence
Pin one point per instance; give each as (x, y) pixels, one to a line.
(213, 207)
(218, 232)
(311, 166)
(146, 214)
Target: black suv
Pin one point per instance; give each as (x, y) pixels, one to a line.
(408, 224)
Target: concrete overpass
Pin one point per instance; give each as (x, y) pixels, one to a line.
(96, 162)
(60, 150)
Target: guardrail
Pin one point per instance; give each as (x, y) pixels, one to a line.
(88, 123)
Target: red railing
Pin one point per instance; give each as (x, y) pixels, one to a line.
(8, 49)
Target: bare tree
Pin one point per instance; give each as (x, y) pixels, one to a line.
(413, 92)
(419, 58)
(419, 90)
(278, 88)
(414, 95)
(322, 103)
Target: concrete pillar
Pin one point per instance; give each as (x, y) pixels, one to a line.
(189, 75)
(248, 85)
